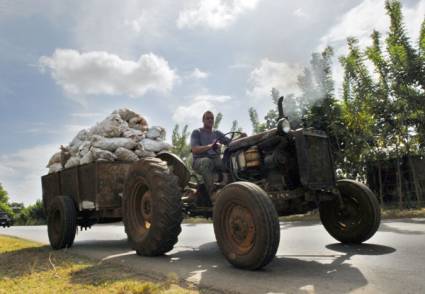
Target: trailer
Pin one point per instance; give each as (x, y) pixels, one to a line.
(82, 196)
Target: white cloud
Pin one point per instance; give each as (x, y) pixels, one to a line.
(300, 12)
(20, 172)
(214, 14)
(198, 74)
(99, 72)
(270, 74)
(360, 21)
(371, 15)
(192, 113)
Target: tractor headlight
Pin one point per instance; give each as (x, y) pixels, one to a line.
(283, 126)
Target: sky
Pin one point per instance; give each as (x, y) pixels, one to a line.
(65, 65)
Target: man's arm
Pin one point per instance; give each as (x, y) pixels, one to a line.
(195, 142)
(201, 149)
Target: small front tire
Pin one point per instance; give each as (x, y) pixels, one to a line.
(359, 218)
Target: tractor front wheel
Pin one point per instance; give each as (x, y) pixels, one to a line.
(357, 219)
(246, 225)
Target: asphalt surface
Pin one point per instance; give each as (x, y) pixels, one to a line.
(308, 259)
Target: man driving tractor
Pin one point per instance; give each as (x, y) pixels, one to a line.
(206, 145)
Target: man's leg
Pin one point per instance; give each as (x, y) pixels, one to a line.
(205, 167)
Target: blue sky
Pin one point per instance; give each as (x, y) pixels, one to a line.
(65, 65)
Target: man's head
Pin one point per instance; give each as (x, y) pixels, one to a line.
(208, 119)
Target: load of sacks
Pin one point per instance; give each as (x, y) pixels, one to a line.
(123, 136)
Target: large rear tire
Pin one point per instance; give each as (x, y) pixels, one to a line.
(152, 210)
(61, 222)
(246, 225)
(359, 218)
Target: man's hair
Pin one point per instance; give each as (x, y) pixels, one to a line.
(205, 114)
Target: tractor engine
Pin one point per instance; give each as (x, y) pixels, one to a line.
(285, 166)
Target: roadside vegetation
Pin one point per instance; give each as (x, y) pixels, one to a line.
(376, 124)
(28, 267)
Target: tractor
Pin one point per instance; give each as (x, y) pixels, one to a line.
(276, 173)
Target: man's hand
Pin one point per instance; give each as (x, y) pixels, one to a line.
(216, 146)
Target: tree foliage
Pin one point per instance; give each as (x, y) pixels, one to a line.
(4, 201)
(31, 215)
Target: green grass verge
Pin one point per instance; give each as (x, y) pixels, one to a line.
(29, 267)
(387, 213)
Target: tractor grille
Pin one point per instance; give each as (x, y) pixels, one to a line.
(314, 158)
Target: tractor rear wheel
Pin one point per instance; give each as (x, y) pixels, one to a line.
(152, 210)
(61, 222)
(246, 225)
(359, 217)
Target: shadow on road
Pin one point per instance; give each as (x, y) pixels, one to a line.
(361, 249)
(207, 267)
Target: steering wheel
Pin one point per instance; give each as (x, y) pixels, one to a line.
(232, 133)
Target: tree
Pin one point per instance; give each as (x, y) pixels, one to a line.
(217, 120)
(32, 215)
(4, 201)
(257, 126)
(180, 144)
(317, 106)
(356, 111)
(17, 207)
(235, 127)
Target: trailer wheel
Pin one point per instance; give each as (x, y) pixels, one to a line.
(61, 222)
(152, 210)
(246, 225)
(359, 218)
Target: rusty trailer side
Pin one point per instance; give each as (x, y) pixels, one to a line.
(96, 188)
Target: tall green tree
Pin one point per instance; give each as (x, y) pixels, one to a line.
(317, 105)
(257, 126)
(406, 90)
(217, 120)
(357, 112)
(235, 127)
(180, 142)
(4, 201)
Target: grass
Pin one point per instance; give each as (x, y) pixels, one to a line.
(29, 267)
(387, 213)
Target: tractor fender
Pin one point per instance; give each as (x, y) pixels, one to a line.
(177, 166)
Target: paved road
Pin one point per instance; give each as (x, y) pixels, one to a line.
(308, 259)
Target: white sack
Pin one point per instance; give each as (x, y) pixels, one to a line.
(156, 132)
(112, 126)
(84, 148)
(124, 154)
(138, 123)
(82, 135)
(111, 144)
(55, 167)
(154, 146)
(143, 153)
(102, 155)
(56, 158)
(126, 114)
(134, 134)
(73, 161)
(87, 158)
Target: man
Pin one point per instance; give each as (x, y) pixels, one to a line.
(206, 154)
